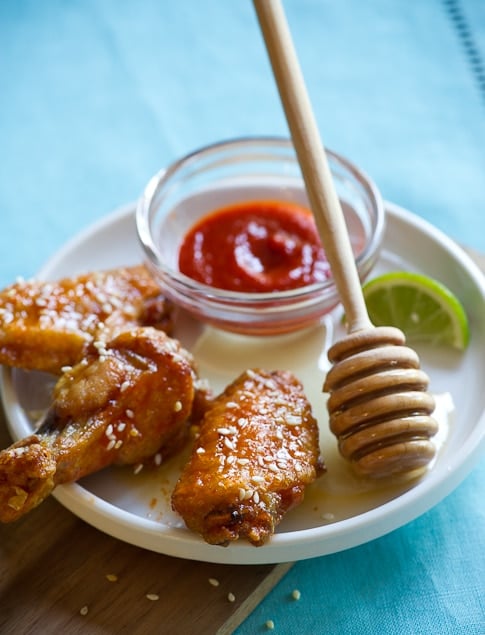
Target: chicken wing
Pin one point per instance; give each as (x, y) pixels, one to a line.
(130, 399)
(48, 325)
(256, 451)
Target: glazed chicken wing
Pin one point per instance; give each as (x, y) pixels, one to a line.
(257, 450)
(130, 399)
(48, 325)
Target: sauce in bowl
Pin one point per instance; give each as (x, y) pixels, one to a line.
(255, 246)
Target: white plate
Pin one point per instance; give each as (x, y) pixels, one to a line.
(338, 512)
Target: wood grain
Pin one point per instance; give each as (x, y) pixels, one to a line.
(52, 565)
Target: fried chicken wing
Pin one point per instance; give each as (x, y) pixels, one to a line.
(125, 402)
(257, 450)
(48, 325)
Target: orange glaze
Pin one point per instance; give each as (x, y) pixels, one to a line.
(255, 246)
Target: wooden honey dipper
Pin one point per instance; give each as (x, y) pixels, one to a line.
(379, 409)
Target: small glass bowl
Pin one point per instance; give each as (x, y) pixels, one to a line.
(241, 170)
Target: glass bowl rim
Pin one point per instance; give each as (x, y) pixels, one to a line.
(233, 297)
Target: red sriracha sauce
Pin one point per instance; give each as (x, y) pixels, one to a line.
(255, 247)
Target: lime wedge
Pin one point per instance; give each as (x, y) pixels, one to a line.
(423, 308)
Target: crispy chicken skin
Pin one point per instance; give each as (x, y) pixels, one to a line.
(126, 401)
(256, 451)
(48, 325)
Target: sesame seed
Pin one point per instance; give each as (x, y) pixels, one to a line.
(231, 404)
(109, 430)
(200, 450)
(228, 444)
(129, 413)
(231, 597)
(223, 431)
(153, 597)
(111, 577)
(8, 317)
(84, 610)
(158, 459)
(134, 432)
(111, 444)
(124, 386)
(296, 595)
(118, 444)
(138, 468)
(257, 479)
(17, 451)
(214, 582)
(121, 426)
(256, 497)
(243, 461)
(116, 302)
(177, 406)
(66, 369)
(242, 493)
(269, 625)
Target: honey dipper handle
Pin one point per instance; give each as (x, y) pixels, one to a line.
(310, 152)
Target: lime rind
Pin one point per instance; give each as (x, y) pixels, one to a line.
(423, 308)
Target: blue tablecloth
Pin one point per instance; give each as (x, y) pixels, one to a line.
(97, 95)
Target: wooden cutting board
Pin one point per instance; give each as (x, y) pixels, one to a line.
(53, 579)
(60, 575)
